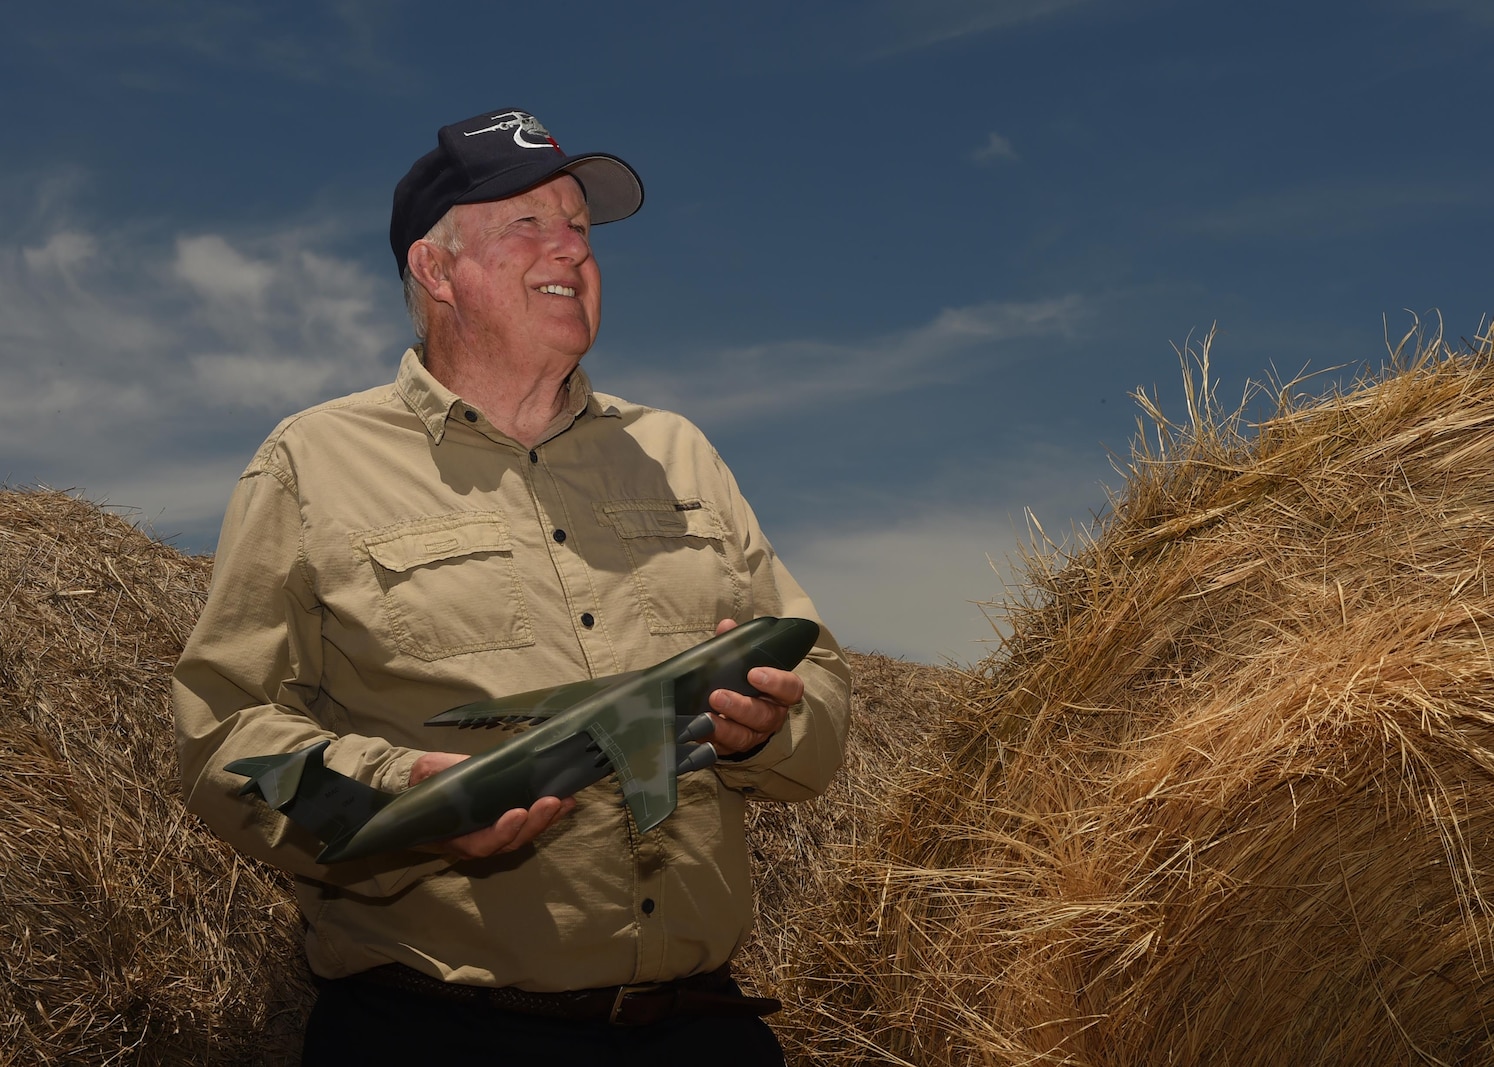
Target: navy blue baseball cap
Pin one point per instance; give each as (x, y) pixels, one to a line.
(495, 155)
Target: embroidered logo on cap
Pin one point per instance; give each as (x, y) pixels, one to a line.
(528, 133)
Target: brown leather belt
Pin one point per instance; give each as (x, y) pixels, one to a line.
(629, 1005)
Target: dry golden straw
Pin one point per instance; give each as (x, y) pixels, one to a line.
(128, 934)
(1226, 795)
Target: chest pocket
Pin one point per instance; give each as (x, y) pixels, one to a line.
(448, 584)
(684, 572)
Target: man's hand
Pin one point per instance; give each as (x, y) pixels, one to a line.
(742, 722)
(514, 830)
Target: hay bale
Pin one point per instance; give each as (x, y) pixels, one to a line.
(798, 848)
(1227, 793)
(127, 932)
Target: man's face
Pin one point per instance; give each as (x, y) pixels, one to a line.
(525, 284)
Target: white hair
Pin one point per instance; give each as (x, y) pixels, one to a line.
(446, 235)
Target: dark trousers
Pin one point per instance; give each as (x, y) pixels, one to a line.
(369, 1025)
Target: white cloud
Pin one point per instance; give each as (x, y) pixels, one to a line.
(66, 302)
(264, 380)
(996, 147)
(912, 590)
(735, 385)
(924, 579)
(62, 254)
(171, 496)
(220, 273)
(120, 355)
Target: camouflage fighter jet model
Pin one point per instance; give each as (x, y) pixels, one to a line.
(646, 726)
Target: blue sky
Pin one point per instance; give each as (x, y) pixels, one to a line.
(904, 262)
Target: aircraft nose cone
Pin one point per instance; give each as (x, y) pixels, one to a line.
(790, 641)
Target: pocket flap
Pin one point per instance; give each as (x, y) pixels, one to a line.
(659, 518)
(431, 540)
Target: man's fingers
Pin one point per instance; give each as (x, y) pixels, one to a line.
(432, 763)
(514, 829)
(543, 814)
(780, 690)
(744, 722)
(782, 687)
(731, 738)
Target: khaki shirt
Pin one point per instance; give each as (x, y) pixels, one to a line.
(390, 555)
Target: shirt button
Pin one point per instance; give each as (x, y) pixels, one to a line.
(588, 620)
(648, 906)
(533, 456)
(471, 416)
(559, 536)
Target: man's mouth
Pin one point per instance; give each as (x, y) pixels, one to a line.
(557, 290)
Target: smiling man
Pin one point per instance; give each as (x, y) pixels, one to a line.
(485, 525)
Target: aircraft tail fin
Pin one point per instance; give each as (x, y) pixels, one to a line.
(331, 805)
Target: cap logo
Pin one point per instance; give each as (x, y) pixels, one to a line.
(528, 133)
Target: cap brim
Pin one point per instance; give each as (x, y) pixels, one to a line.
(613, 189)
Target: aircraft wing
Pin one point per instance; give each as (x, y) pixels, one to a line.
(647, 745)
(635, 732)
(533, 706)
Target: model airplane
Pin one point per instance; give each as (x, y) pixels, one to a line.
(646, 726)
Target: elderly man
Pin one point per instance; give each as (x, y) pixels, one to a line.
(488, 525)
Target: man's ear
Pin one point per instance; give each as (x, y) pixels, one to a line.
(431, 267)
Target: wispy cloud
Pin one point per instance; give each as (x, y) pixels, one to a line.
(996, 147)
(327, 41)
(1478, 12)
(907, 26)
(1332, 210)
(734, 385)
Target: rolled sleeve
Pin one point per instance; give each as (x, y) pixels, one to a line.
(248, 681)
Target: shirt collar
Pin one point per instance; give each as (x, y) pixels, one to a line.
(433, 403)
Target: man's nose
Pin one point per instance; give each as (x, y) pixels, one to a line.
(569, 244)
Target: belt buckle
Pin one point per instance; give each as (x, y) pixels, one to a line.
(618, 1015)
